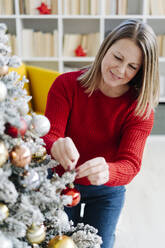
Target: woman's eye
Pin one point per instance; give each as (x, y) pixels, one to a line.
(132, 67)
(116, 57)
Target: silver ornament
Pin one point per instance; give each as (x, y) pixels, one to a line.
(40, 125)
(3, 91)
(29, 179)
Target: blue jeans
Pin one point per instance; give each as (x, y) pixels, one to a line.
(103, 205)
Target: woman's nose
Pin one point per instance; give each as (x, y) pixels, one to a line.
(122, 68)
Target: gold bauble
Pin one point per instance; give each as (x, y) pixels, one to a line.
(40, 155)
(4, 70)
(3, 153)
(61, 242)
(4, 212)
(36, 234)
(20, 156)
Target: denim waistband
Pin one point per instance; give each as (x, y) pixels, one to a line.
(93, 190)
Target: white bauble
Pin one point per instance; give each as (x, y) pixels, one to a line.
(5, 242)
(36, 234)
(4, 212)
(3, 91)
(40, 124)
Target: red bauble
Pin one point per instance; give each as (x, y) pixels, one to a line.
(13, 131)
(43, 9)
(75, 196)
(79, 51)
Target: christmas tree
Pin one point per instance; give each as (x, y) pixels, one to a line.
(31, 202)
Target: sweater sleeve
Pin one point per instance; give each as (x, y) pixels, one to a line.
(129, 156)
(57, 110)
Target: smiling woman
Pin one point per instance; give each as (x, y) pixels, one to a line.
(119, 66)
(100, 119)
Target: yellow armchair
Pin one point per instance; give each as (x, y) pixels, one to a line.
(40, 81)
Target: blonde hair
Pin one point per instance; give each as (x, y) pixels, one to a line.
(146, 81)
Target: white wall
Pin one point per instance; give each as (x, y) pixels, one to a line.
(142, 222)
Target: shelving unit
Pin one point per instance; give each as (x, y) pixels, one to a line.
(101, 23)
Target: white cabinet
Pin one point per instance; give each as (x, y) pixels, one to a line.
(101, 21)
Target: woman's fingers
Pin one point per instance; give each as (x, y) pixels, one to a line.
(91, 167)
(71, 152)
(65, 152)
(96, 170)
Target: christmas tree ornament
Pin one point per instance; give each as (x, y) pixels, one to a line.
(5, 242)
(20, 156)
(40, 155)
(79, 52)
(3, 153)
(4, 70)
(3, 91)
(4, 212)
(29, 179)
(43, 9)
(40, 124)
(71, 191)
(61, 242)
(36, 234)
(14, 131)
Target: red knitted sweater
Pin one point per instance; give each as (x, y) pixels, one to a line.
(100, 126)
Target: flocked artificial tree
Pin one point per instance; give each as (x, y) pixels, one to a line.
(31, 204)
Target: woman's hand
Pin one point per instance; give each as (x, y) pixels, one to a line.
(96, 170)
(65, 152)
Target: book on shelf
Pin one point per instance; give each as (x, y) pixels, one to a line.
(94, 7)
(89, 42)
(54, 7)
(84, 7)
(66, 7)
(48, 44)
(162, 85)
(27, 43)
(156, 7)
(110, 7)
(121, 7)
(39, 44)
(160, 41)
(75, 7)
(80, 7)
(93, 44)
(12, 42)
(161, 45)
(55, 43)
(6, 7)
(116, 7)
